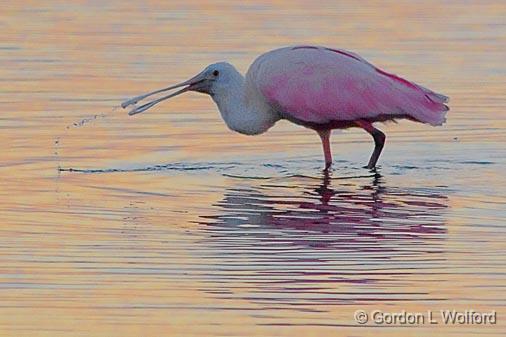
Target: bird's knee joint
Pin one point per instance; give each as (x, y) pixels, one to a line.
(379, 136)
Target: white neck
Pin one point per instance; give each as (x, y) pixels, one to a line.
(242, 107)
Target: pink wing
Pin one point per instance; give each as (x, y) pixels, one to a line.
(320, 85)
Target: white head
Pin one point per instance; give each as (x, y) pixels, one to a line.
(215, 80)
(242, 110)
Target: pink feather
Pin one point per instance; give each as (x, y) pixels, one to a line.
(322, 85)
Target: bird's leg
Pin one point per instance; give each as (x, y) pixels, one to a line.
(379, 141)
(325, 137)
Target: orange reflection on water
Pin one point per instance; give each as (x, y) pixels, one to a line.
(167, 223)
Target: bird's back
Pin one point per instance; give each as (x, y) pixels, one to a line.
(318, 85)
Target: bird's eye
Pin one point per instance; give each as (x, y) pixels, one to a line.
(216, 73)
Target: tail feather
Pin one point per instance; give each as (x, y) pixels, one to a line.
(433, 111)
(434, 96)
(431, 108)
(426, 106)
(420, 103)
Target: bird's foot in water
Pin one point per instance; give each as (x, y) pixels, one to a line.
(372, 169)
(327, 168)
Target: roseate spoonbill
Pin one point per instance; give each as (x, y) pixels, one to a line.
(316, 87)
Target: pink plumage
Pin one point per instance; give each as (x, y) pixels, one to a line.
(321, 85)
(317, 87)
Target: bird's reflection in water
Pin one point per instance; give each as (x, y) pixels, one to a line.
(299, 242)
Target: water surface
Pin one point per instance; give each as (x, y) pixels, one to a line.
(167, 223)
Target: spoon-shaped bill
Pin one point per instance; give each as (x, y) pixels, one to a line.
(196, 79)
(136, 99)
(146, 106)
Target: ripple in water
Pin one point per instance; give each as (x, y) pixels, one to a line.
(308, 169)
(302, 245)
